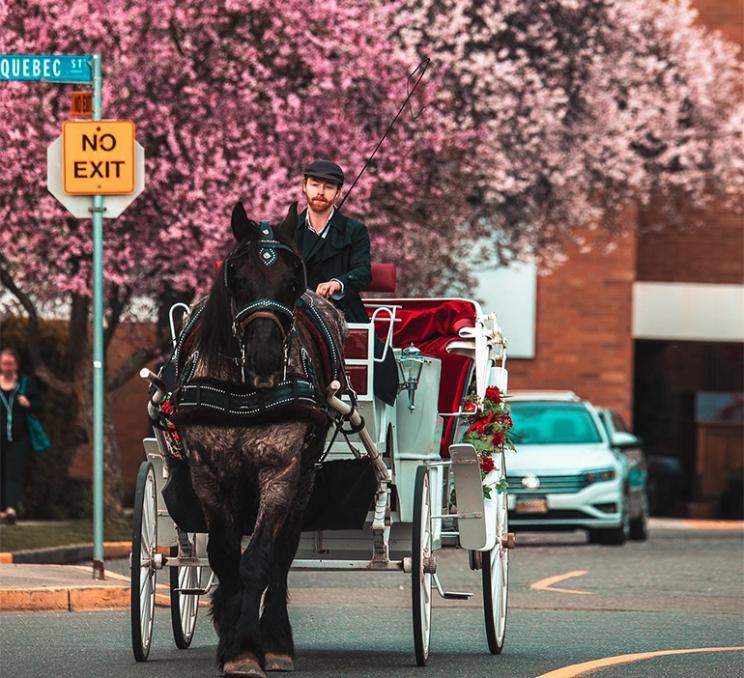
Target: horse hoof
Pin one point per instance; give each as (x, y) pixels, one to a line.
(278, 662)
(244, 666)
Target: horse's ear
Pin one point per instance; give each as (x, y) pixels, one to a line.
(289, 226)
(242, 226)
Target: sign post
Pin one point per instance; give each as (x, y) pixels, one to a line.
(98, 367)
(115, 157)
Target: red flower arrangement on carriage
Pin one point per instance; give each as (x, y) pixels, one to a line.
(489, 433)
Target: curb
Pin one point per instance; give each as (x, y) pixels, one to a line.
(72, 599)
(65, 555)
(77, 597)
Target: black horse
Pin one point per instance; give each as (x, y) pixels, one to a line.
(253, 473)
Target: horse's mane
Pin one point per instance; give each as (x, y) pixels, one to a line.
(215, 338)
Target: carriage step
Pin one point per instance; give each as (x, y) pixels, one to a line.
(450, 595)
(192, 592)
(457, 595)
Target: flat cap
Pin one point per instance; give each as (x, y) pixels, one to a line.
(325, 170)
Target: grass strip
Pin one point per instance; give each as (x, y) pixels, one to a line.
(44, 535)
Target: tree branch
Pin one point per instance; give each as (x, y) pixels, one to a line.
(117, 304)
(133, 364)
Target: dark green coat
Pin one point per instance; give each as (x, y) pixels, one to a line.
(343, 254)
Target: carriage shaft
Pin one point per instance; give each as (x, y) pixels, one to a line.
(346, 565)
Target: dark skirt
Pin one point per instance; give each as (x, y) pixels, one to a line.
(13, 459)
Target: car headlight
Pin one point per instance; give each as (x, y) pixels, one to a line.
(597, 476)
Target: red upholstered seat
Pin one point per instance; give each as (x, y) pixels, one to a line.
(383, 278)
(431, 324)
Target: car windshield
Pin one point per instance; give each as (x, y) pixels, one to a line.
(552, 423)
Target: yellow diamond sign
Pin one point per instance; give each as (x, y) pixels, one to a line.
(98, 157)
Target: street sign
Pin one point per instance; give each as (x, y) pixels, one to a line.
(46, 67)
(79, 205)
(81, 104)
(98, 157)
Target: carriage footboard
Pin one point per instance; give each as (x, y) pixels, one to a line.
(381, 522)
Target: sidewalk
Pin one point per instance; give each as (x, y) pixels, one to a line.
(25, 584)
(64, 588)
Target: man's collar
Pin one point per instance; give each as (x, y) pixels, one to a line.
(309, 225)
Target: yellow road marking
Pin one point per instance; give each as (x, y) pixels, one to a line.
(713, 524)
(547, 583)
(597, 664)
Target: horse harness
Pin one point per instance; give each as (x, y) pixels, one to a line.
(205, 400)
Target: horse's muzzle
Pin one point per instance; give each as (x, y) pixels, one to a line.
(263, 382)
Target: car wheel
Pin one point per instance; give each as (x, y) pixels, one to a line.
(638, 529)
(613, 536)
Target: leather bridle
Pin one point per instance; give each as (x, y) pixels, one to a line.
(269, 309)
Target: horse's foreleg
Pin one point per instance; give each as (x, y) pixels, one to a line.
(223, 551)
(278, 488)
(276, 631)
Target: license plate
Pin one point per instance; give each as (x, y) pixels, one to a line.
(532, 505)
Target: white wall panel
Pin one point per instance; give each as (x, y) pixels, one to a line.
(511, 292)
(688, 311)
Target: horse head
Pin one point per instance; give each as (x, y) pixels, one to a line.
(260, 282)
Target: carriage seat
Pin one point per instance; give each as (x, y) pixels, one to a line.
(432, 324)
(358, 346)
(384, 279)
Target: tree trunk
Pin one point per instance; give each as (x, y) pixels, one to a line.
(112, 480)
(81, 371)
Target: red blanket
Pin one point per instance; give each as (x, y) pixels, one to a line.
(431, 324)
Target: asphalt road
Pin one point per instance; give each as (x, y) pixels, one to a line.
(679, 590)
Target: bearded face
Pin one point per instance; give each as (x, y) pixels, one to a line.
(321, 195)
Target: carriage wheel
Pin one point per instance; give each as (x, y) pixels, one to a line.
(421, 553)
(144, 545)
(184, 606)
(495, 569)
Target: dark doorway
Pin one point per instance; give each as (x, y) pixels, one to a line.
(668, 374)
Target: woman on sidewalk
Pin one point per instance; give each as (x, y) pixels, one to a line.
(18, 397)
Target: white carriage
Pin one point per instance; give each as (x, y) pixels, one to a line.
(443, 348)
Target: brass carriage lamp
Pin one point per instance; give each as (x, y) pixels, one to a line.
(410, 366)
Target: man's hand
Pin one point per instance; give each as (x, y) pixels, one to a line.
(23, 401)
(328, 289)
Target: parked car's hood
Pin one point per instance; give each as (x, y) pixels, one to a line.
(559, 459)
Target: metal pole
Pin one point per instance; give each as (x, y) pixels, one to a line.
(98, 369)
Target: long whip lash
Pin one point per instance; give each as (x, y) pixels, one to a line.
(421, 70)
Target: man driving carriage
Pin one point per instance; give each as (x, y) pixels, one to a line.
(334, 246)
(337, 255)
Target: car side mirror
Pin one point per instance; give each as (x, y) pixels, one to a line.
(623, 440)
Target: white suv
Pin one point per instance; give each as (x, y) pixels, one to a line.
(565, 474)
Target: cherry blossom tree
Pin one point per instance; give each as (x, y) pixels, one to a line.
(536, 117)
(230, 100)
(580, 109)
